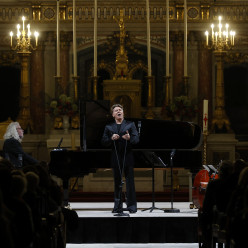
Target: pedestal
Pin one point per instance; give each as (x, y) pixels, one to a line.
(221, 147)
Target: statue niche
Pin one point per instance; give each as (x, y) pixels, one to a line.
(121, 62)
(122, 89)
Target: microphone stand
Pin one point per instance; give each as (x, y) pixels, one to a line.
(172, 210)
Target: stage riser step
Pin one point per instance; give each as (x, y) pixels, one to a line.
(179, 196)
(135, 230)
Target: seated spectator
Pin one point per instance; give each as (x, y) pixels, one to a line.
(239, 165)
(6, 163)
(12, 146)
(217, 195)
(32, 198)
(22, 213)
(6, 235)
(237, 212)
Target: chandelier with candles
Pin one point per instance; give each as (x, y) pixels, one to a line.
(220, 37)
(23, 38)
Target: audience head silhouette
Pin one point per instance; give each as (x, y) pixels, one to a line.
(15, 131)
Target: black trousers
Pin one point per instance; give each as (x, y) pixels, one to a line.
(128, 172)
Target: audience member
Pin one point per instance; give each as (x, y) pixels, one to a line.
(12, 146)
(217, 195)
(6, 163)
(6, 235)
(32, 198)
(237, 212)
(23, 216)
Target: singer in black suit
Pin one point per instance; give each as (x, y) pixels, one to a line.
(121, 135)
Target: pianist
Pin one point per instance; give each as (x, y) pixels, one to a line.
(121, 134)
(12, 147)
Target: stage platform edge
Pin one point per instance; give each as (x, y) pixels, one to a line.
(97, 224)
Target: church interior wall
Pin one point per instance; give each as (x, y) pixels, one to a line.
(235, 12)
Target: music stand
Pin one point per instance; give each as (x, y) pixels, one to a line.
(172, 210)
(153, 185)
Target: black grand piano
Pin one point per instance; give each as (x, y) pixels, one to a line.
(157, 138)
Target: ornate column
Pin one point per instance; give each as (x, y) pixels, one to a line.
(220, 119)
(37, 89)
(24, 117)
(178, 64)
(205, 79)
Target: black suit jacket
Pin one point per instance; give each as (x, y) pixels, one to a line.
(12, 148)
(121, 144)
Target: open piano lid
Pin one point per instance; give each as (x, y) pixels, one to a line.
(168, 135)
(154, 135)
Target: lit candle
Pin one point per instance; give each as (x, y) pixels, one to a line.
(36, 35)
(95, 40)
(23, 20)
(231, 37)
(29, 33)
(212, 26)
(205, 115)
(185, 39)
(58, 41)
(206, 33)
(11, 35)
(227, 26)
(74, 40)
(220, 26)
(167, 40)
(18, 31)
(148, 39)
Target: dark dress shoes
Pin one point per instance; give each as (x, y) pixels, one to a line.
(132, 211)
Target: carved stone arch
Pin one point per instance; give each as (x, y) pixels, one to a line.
(10, 72)
(102, 65)
(139, 65)
(126, 102)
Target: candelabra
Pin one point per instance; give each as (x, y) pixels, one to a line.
(24, 47)
(220, 41)
(23, 39)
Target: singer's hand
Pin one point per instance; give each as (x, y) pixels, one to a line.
(126, 136)
(115, 136)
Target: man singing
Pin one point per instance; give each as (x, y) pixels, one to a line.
(121, 135)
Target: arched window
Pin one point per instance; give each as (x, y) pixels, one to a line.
(10, 92)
